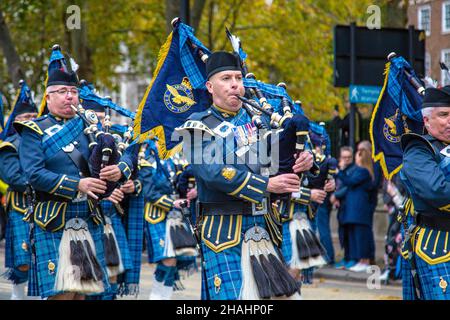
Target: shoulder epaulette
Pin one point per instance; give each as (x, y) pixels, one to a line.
(199, 116)
(408, 137)
(145, 163)
(6, 144)
(194, 125)
(18, 125)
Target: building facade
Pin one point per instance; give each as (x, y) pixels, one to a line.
(433, 16)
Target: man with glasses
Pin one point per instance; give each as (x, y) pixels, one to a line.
(54, 154)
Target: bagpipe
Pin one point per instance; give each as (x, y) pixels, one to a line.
(106, 149)
(307, 251)
(101, 144)
(411, 78)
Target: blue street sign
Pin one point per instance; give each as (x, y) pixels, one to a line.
(364, 94)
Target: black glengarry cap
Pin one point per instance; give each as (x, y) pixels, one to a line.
(59, 77)
(221, 61)
(436, 97)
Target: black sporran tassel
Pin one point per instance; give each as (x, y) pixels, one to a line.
(76, 257)
(322, 250)
(114, 259)
(107, 248)
(302, 247)
(261, 278)
(98, 272)
(273, 276)
(291, 285)
(309, 238)
(111, 254)
(86, 269)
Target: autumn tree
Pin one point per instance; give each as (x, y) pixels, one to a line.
(285, 40)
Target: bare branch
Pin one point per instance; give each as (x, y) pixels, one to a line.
(197, 11)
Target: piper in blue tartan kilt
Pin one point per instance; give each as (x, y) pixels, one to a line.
(161, 213)
(17, 246)
(237, 224)
(426, 174)
(68, 249)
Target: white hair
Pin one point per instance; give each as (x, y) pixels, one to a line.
(426, 112)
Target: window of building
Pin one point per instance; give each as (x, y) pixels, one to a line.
(445, 76)
(424, 19)
(446, 16)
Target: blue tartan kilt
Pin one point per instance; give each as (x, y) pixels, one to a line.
(119, 231)
(47, 250)
(155, 235)
(430, 276)
(226, 265)
(407, 281)
(17, 241)
(33, 285)
(286, 244)
(135, 236)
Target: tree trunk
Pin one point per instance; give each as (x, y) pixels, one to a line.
(172, 11)
(197, 12)
(78, 48)
(210, 26)
(12, 58)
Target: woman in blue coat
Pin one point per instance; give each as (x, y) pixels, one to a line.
(355, 212)
(377, 179)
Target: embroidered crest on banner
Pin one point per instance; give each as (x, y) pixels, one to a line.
(179, 98)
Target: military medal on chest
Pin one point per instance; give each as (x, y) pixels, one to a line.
(245, 136)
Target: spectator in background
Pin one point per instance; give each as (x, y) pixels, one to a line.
(376, 182)
(366, 249)
(337, 199)
(354, 215)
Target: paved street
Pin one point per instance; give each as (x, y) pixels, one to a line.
(339, 286)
